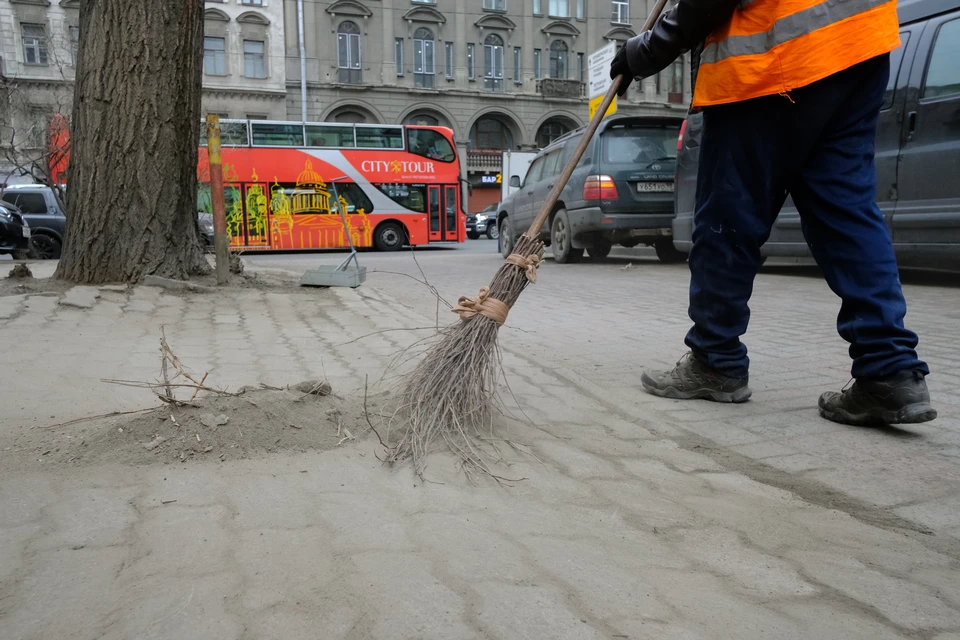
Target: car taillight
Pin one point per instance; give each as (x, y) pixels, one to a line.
(683, 129)
(600, 188)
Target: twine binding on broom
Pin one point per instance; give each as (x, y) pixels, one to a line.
(492, 308)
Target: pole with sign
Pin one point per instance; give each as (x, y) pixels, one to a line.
(598, 81)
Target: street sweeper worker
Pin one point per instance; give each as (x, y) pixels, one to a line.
(790, 92)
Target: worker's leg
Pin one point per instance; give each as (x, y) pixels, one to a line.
(835, 194)
(745, 166)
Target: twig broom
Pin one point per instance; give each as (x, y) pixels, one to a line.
(451, 394)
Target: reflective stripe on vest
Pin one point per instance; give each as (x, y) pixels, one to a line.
(775, 46)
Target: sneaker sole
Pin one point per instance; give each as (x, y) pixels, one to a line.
(911, 414)
(738, 396)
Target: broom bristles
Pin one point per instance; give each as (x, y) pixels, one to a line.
(451, 396)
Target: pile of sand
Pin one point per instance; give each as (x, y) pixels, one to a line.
(254, 423)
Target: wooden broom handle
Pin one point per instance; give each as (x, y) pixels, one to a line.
(568, 170)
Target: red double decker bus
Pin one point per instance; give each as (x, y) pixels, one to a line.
(400, 185)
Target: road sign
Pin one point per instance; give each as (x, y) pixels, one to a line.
(598, 80)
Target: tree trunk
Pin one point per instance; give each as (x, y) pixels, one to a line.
(132, 191)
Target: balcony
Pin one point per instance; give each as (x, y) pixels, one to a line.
(558, 88)
(484, 160)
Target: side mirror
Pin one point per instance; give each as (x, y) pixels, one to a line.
(515, 182)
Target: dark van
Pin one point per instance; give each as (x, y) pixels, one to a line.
(917, 156)
(620, 193)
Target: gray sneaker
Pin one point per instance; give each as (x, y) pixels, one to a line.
(691, 380)
(900, 399)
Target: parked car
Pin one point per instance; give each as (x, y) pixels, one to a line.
(206, 228)
(917, 153)
(43, 213)
(14, 232)
(620, 193)
(484, 222)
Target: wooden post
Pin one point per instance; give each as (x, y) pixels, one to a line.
(221, 243)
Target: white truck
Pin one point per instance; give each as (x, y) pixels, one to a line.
(515, 163)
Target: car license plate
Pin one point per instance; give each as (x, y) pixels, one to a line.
(657, 187)
(26, 232)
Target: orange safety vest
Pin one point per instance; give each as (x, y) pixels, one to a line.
(774, 46)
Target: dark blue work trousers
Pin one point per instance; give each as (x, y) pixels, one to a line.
(817, 145)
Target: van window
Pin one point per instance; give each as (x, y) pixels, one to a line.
(943, 72)
(536, 169)
(551, 165)
(27, 202)
(640, 146)
(896, 59)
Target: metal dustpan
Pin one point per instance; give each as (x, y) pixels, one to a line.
(340, 275)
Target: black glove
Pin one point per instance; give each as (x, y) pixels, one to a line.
(620, 67)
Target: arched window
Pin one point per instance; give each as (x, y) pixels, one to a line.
(493, 63)
(348, 52)
(423, 58)
(550, 131)
(423, 119)
(558, 59)
(490, 133)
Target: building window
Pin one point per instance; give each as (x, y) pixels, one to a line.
(536, 64)
(254, 65)
(398, 55)
(214, 57)
(448, 58)
(675, 82)
(581, 68)
(348, 52)
(493, 63)
(581, 12)
(537, 9)
(423, 58)
(489, 133)
(471, 62)
(34, 43)
(517, 65)
(550, 131)
(621, 11)
(495, 5)
(255, 3)
(74, 44)
(558, 60)
(560, 8)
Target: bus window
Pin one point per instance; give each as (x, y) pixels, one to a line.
(287, 198)
(410, 196)
(431, 144)
(329, 135)
(451, 201)
(380, 137)
(277, 135)
(233, 134)
(357, 200)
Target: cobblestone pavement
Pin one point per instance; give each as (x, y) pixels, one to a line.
(638, 518)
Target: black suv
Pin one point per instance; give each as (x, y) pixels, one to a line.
(620, 193)
(41, 210)
(917, 154)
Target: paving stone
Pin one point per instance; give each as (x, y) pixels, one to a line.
(80, 297)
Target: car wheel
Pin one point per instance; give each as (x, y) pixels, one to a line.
(44, 247)
(389, 236)
(667, 253)
(493, 231)
(506, 237)
(600, 250)
(561, 237)
(473, 235)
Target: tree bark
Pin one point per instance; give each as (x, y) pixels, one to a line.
(132, 180)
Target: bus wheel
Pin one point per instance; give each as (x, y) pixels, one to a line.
(389, 237)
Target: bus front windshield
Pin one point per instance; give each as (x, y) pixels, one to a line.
(431, 144)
